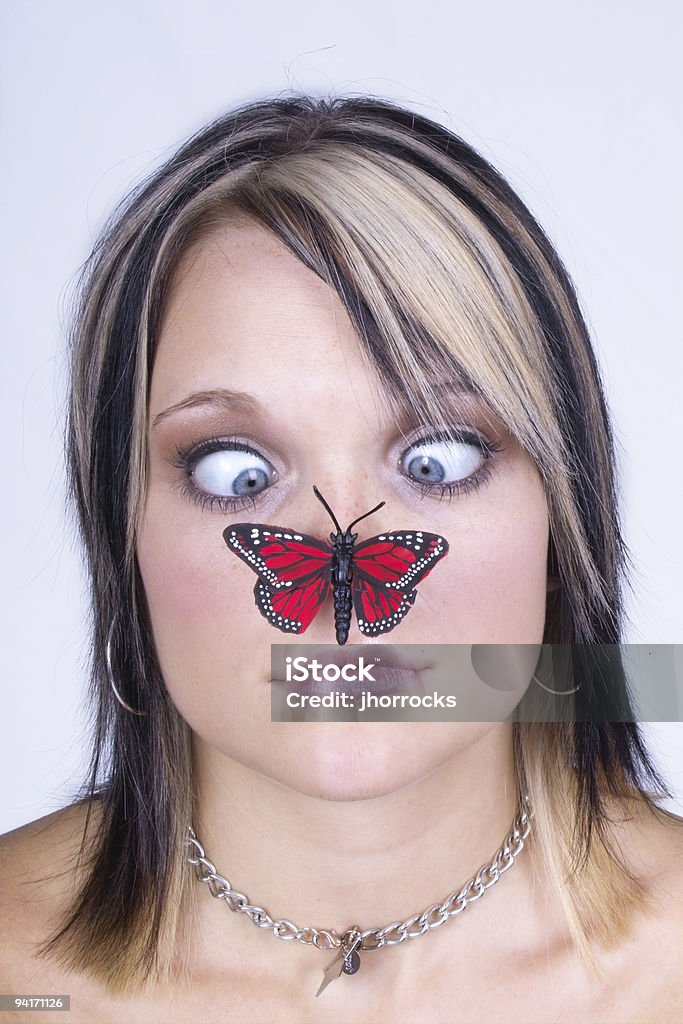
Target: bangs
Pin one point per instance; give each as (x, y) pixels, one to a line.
(437, 308)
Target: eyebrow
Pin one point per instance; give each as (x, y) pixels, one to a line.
(221, 398)
(241, 402)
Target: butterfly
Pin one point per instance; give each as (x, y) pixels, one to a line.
(295, 573)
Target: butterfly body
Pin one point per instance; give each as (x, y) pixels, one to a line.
(296, 573)
(342, 579)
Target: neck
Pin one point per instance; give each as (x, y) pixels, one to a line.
(332, 864)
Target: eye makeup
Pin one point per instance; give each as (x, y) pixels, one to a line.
(237, 481)
(219, 481)
(439, 447)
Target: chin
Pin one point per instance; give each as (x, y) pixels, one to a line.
(358, 761)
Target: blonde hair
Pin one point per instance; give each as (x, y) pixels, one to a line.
(446, 277)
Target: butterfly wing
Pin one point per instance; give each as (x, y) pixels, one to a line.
(378, 609)
(293, 571)
(386, 570)
(292, 611)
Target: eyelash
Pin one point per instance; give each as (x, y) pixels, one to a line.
(187, 458)
(489, 450)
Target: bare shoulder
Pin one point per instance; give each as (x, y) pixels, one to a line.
(42, 851)
(39, 876)
(652, 846)
(648, 967)
(36, 849)
(42, 868)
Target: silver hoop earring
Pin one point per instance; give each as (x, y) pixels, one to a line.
(110, 673)
(556, 693)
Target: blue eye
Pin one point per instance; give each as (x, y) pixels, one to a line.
(223, 474)
(449, 464)
(231, 473)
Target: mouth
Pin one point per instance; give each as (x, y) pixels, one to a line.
(405, 657)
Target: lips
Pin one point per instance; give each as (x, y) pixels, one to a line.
(385, 656)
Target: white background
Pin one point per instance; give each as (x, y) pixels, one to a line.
(578, 104)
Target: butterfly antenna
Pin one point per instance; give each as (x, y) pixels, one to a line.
(365, 515)
(332, 515)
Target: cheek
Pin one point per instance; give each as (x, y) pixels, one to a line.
(493, 581)
(196, 598)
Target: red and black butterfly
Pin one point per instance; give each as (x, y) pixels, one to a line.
(296, 572)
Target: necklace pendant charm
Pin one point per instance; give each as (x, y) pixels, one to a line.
(345, 961)
(351, 963)
(332, 971)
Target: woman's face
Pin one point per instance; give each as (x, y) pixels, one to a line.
(259, 392)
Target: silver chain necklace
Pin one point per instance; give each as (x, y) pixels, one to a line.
(353, 940)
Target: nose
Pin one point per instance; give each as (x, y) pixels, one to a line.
(337, 522)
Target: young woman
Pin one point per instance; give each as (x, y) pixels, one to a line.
(340, 294)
